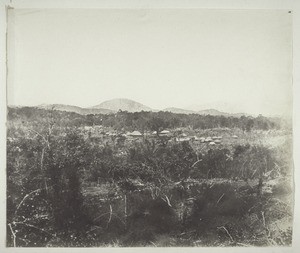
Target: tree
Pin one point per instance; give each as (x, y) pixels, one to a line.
(156, 124)
(249, 124)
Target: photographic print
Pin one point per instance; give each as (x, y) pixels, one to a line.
(149, 128)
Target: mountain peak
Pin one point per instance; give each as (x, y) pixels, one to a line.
(123, 104)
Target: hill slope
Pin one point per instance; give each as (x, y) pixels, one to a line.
(114, 105)
(122, 104)
(178, 110)
(72, 108)
(213, 112)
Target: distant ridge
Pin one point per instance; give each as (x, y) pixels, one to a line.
(72, 108)
(123, 104)
(213, 112)
(217, 108)
(178, 110)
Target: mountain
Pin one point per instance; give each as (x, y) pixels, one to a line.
(238, 115)
(114, 105)
(178, 110)
(214, 112)
(123, 104)
(72, 108)
(221, 106)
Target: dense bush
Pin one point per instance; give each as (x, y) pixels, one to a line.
(154, 121)
(65, 189)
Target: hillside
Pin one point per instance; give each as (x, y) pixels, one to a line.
(213, 112)
(122, 104)
(72, 108)
(178, 110)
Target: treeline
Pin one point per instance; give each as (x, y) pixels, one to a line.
(143, 121)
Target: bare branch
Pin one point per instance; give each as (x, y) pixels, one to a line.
(196, 163)
(42, 158)
(263, 216)
(43, 137)
(167, 201)
(14, 234)
(243, 244)
(32, 226)
(220, 198)
(110, 214)
(226, 232)
(153, 244)
(26, 196)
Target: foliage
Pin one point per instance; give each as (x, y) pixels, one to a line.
(154, 121)
(65, 188)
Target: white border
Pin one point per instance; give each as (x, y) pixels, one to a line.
(120, 4)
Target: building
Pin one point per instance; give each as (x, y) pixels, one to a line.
(164, 132)
(136, 134)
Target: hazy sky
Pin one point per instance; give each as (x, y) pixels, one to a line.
(235, 60)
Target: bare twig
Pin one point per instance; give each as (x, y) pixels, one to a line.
(14, 234)
(273, 242)
(24, 240)
(42, 165)
(32, 226)
(243, 168)
(220, 198)
(42, 158)
(153, 244)
(253, 173)
(110, 214)
(252, 207)
(263, 217)
(207, 173)
(167, 200)
(97, 218)
(196, 163)
(43, 137)
(125, 210)
(243, 244)
(226, 232)
(26, 196)
(93, 229)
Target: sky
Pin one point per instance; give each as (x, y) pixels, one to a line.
(230, 60)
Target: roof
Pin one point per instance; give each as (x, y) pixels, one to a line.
(136, 133)
(183, 139)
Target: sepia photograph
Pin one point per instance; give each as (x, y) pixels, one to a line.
(149, 127)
